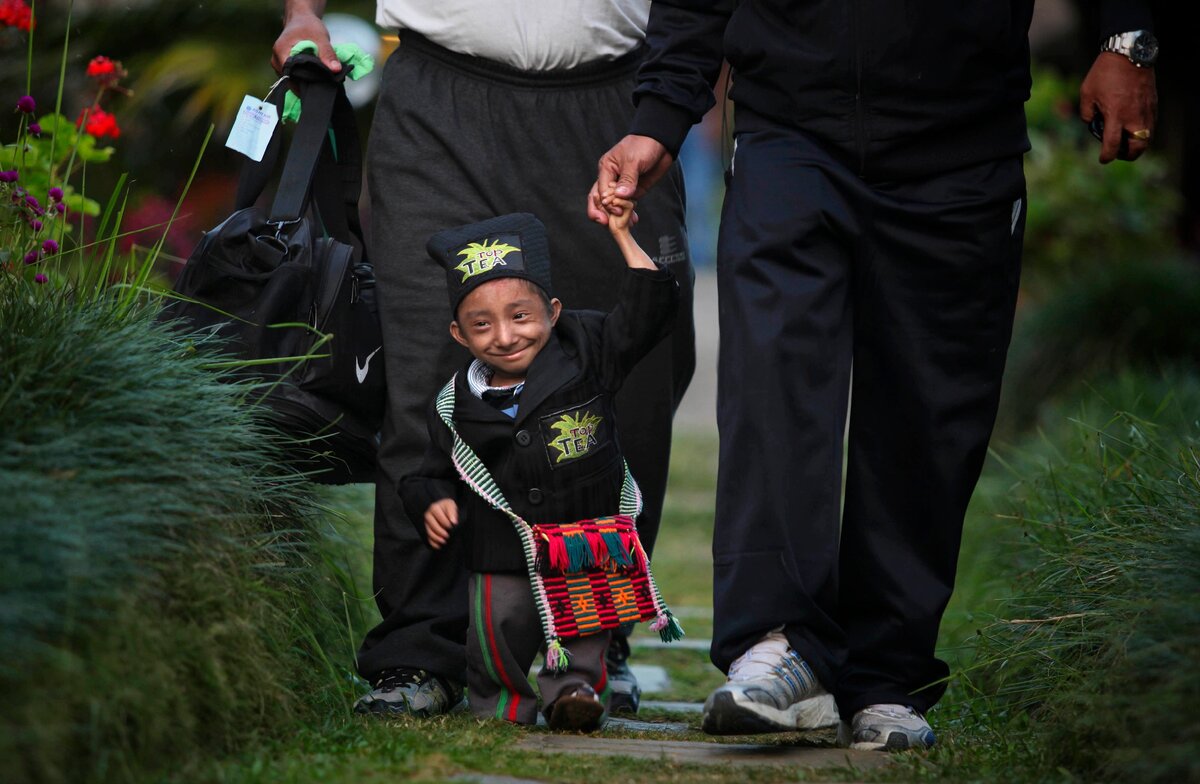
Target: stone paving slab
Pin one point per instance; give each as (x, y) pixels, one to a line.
(636, 725)
(694, 752)
(651, 678)
(670, 705)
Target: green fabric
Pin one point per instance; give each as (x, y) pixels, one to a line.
(351, 56)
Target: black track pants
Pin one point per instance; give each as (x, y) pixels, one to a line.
(912, 287)
(455, 140)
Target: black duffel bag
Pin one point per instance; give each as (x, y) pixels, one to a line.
(290, 291)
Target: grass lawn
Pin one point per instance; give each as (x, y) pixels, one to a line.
(350, 749)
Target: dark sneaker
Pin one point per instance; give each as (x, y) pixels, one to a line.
(770, 689)
(888, 728)
(579, 711)
(625, 694)
(410, 692)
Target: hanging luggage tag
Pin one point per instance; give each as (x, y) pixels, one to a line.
(254, 125)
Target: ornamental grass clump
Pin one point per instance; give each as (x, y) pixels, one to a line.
(1096, 651)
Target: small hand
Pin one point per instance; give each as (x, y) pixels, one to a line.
(621, 215)
(1127, 98)
(440, 518)
(300, 27)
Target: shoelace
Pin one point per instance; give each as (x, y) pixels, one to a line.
(762, 659)
(393, 679)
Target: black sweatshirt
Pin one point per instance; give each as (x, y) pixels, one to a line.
(896, 89)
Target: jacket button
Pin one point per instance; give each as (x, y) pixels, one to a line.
(535, 496)
(523, 438)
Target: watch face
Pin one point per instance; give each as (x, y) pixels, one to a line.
(1144, 50)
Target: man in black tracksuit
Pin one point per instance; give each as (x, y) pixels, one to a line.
(869, 256)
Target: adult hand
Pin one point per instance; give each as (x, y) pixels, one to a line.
(301, 22)
(628, 170)
(1127, 98)
(440, 519)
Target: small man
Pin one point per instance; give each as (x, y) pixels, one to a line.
(534, 409)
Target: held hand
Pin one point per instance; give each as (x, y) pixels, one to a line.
(301, 26)
(1127, 98)
(440, 519)
(620, 212)
(628, 170)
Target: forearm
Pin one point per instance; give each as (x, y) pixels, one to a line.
(295, 8)
(635, 257)
(674, 90)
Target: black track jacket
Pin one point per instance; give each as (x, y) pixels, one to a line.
(896, 88)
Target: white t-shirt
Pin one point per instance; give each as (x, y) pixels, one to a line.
(526, 34)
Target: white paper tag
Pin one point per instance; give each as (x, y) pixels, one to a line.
(252, 129)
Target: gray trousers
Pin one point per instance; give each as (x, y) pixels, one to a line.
(455, 140)
(504, 637)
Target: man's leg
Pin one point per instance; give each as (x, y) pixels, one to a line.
(934, 299)
(784, 266)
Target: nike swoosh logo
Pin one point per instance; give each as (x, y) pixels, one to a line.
(362, 370)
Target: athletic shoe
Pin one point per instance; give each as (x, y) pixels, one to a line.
(579, 711)
(625, 694)
(770, 689)
(888, 728)
(409, 692)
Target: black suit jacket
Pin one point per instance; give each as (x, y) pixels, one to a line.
(560, 459)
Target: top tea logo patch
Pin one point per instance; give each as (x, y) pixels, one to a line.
(577, 435)
(479, 257)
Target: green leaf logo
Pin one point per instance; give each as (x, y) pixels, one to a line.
(577, 435)
(481, 257)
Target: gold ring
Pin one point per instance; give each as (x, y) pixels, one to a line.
(1142, 135)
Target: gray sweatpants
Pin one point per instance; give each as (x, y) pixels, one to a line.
(504, 637)
(454, 140)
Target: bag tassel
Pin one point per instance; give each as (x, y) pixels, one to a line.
(558, 658)
(667, 627)
(579, 551)
(616, 548)
(559, 559)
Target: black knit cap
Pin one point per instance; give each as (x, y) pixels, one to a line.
(508, 246)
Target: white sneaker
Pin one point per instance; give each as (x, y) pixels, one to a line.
(770, 689)
(887, 728)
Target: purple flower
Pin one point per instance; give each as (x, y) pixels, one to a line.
(60, 207)
(26, 104)
(40, 278)
(56, 194)
(35, 224)
(32, 201)
(8, 176)
(35, 129)
(31, 256)
(50, 247)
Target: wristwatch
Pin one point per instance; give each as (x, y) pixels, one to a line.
(1140, 46)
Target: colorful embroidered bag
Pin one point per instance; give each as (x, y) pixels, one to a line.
(587, 576)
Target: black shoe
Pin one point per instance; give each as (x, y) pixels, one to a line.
(406, 691)
(579, 711)
(626, 694)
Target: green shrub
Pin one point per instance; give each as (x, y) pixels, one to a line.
(168, 590)
(1096, 656)
(1137, 315)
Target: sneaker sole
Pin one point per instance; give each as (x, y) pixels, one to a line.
(725, 714)
(896, 741)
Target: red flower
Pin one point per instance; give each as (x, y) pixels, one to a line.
(105, 71)
(14, 13)
(99, 123)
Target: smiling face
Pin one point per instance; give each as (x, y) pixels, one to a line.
(504, 323)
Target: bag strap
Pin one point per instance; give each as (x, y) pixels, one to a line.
(477, 477)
